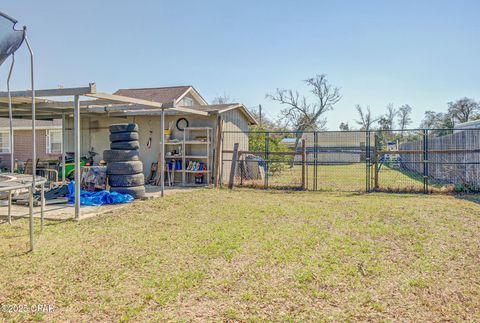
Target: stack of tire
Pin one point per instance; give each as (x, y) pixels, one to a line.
(124, 167)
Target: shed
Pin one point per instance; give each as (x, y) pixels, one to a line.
(200, 114)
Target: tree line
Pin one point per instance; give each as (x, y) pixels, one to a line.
(307, 112)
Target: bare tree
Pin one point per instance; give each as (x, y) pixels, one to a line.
(222, 99)
(404, 118)
(390, 115)
(463, 110)
(300, 113)
(366, 119)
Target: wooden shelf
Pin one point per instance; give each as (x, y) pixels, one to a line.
(196, 142)
(193, 149)
(198, 157)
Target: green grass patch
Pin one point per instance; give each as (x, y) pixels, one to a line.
(253, 256)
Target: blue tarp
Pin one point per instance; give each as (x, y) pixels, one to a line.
(98, 197)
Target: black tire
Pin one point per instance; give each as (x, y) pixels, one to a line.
(120, 155)
(126, 180)
(123, 136)
(124, 168)
(125, 145)
(123, 127)
(137, 192)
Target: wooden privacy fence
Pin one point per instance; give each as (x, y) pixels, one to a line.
(453, 158)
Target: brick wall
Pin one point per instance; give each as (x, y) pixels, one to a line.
(23, 147)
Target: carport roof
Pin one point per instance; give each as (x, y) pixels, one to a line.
(101, 103)
(48, 108)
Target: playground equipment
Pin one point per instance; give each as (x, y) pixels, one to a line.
(11, 40)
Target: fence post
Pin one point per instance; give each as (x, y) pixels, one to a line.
(377, 160)
(315, 172)
(425, 161)
(233, 167)
(367, 161)
(304, 165)
(218, 152)
(267, 137)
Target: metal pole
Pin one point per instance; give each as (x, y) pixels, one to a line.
(315, 145)
(10, 116)
(76, 130)
(30, 212)
(162, 152)
(425, 161)
(267, 136)
(10, 207)
(34, 148)
(34, 135)
(367, 162)
(260, 114)
(42, 205)
(64, 140)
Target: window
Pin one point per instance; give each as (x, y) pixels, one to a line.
(54, 141)
(187, 102)
(4, 142)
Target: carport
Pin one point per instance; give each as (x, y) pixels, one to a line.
(50, 104)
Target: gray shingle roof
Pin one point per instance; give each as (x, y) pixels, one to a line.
(159, 94)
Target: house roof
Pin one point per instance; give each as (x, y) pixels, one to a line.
(25, 123)
(176, 93)
(161, 94)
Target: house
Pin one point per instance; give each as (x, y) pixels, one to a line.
(48, 140)
(333, 147)
(95, 134)
(475, 124)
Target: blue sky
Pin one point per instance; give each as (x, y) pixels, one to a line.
(424, 53)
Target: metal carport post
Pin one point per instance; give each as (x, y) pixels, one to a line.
(76, 130)
(162, 159)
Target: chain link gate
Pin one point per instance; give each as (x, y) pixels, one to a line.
(418, 160)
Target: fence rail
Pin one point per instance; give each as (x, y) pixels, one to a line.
(418, 160)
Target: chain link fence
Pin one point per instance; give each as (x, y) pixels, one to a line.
(418, 160)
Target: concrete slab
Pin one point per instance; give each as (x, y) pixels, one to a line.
(62, 212)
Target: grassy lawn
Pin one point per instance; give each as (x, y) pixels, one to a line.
(252, 255)
(350, 177)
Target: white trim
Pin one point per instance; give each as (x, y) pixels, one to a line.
(30, 128)
(194, 93)
(9, 143)
(48, 142)
(243, 109)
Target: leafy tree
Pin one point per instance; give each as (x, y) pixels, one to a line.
(344, 126)
(440, 123)
(404, 117)
(464, 110)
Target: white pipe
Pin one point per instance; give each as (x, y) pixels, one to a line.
(10, 116)
(34, 135)
(34, 146)
(30, 212)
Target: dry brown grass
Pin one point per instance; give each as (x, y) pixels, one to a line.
(252, 255)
